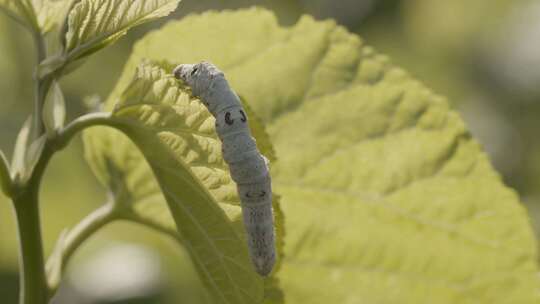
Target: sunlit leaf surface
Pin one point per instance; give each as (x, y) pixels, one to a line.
(387, 197)
(94, 24)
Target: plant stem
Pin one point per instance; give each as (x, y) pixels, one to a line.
(85, 228)
(41, 86)
(25, 196)
(81, 123)
(33, 288)
(33, 282)
(153, 226)
(96, 220)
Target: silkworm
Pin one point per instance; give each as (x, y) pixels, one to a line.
(249, 169)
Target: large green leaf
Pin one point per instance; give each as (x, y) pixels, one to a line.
(388, 199)
(177, 137)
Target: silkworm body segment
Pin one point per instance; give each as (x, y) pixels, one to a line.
(249, 169)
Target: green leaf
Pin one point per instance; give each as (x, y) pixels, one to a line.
(51, 13)
(94, 24)
(22, 11)
(33, 154)
(177, 137)
(54, 110)
(39, 15)
(388, 198)
(5, 177)
(19, 152)
(26, 152)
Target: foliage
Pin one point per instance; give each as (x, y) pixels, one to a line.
(360, 142)
(38, 15)
(386, 196)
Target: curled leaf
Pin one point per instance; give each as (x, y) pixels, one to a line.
(21, 144)
(5, 177)
(54, 110)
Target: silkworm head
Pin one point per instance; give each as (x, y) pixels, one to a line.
(198, 76)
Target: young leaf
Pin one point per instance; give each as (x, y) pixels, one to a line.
(26, 152)
(21, 144)
(387, 196)
(94, 24)
(51, 13)
(22, 11)
(33, 154)
(54, 110)
(5, 177)
(39, 15)
(177, 137)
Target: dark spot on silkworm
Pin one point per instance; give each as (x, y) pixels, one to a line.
(194, 71)
(244, 118)
(262, 194)
(228, 119)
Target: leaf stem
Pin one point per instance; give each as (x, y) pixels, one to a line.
(41, 85)
(81, 123)
(68, 245)
(153, 225)
(85, 228)
(97, 219)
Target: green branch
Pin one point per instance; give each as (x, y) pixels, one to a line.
(154, 226)
(96, 220)
(32, 277)
(25, 197)
(42, 85)
(81, 123)
(73, 240)
(85, 228)
(91, 224)
(33, 288)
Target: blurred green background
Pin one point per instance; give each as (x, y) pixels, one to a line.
(483, 55)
